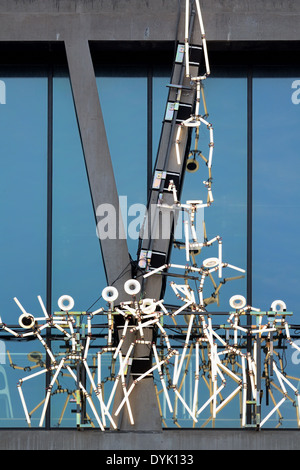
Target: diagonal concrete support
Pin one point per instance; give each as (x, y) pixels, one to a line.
(97, 157)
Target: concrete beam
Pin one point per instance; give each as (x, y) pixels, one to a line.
(140, 20)
(97, 156)
(169, 440)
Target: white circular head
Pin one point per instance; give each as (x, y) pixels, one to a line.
(278, 306)
(66, 303)
(148, 306)
(211, 262)
(237, 301)
(132, 287)
(110, 293)
(26, 321)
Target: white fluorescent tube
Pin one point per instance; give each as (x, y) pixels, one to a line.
(154, 271)
(122, 339)
(141, 377)
(218, 370)
(100, 310)
(99, 395)
(99, 385)
(287, 330)
(288, 382)
(196, 378)
(186, 406)
(46, 347)
(162, 379)
(49, 392)
(175, 378)
(272, 411)
(198, 98)
(62, 330)
(229, 372)
(187, 248)
(193, 230)
(126, 394)
(244, 391)
(279, 378)
(5, 328)
(177, 142)
(87, 397)
(204, 122)
(43, 306)
(33, 375)
(228, 399)
(144, 325)
(109, 329)
(20, 305)
(187, 72)
(165, 336)
(24, 404)
(210, 157)
(234, 267)
(210, 242)
(185, 346)
(181, 308)
(180, 266)
(210, 399)
(86, 349)
(203, 37)
(263, 330)
(220, 257)
(298, 406)
(160, 303)
(219, 338)
(294, 345)
(94, 411)
(122, 366)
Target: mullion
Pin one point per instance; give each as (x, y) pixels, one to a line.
(49, 227)
(249, 219)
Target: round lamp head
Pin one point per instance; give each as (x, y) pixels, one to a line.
(192, 165)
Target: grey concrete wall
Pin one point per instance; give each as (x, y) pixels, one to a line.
(168, 440)
(151, 20)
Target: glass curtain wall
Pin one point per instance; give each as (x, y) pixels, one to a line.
(76, 262)
(276, 197)
(276, 216)
(23, 234)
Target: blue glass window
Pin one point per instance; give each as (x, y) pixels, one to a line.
(276, 197)
(23, 180)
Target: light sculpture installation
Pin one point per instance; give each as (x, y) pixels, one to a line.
(220, 361)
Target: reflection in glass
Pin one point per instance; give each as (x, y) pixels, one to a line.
(276, 204)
